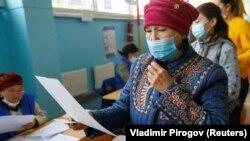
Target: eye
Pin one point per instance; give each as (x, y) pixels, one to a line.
(162, 29)
(148, 30)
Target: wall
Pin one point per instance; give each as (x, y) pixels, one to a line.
(30, 47)
(34, 42)
(4, 57)
(247, 6)
(80, 43)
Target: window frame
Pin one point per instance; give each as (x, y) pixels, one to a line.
(78, 13)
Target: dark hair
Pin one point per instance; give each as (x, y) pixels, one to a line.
(128, 48)
(237, 7)
(210, 10)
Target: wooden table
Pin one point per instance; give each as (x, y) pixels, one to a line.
(70, 132)
(113, 95)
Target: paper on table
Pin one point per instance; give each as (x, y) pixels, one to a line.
(20, 138)
(53, 128)
(119, 138)
(62, 137)
(14, 122)
(69, 104)
(58, 137)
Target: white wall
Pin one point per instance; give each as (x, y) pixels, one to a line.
(247, 6)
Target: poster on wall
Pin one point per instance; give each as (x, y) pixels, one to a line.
(109, 41)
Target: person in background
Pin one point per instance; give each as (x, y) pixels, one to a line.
(171, 85)
(239, 33)
(212, 42)
(14, 101)
(123, 64)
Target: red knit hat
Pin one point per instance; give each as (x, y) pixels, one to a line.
(9, 79)
(175, 14)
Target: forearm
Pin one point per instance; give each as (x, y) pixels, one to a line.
(207, 105)
(175, 102)
(111, 118)
(40, 114)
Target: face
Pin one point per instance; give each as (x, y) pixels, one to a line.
(225, 8)
(208, 24)
(13, 94)
(132, 55)
(154, 33)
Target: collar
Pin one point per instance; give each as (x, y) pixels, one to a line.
(13, 107)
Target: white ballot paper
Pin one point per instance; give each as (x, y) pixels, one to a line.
(119, 138)
(69, 104)
(21, 138)
(57, 137)
(62, 137)
(14, 123)
(53, 128)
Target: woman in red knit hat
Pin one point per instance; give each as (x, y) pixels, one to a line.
(172, 84)
(14, 101)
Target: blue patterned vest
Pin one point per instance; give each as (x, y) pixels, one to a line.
(119, 83)
(27, 107)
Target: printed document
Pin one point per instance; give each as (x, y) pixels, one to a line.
(14, 123)
(69, 104)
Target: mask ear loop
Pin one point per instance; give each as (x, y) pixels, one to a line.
(207, 30)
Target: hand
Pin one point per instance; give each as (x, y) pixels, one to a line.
(30, 125)
(67, 117)
(158, 77)
(77, 126)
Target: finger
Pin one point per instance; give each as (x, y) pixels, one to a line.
(150, 74)
(74, 125)
(159, 70)
(71, 125)
(151, 69)
(156, 65)
(27, 126)
(150, 78)
(67, 117)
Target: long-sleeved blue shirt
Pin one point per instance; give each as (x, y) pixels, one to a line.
(198, 96)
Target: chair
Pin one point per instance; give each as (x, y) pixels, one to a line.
(108, 86)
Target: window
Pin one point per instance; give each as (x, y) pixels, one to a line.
(113, 6)
(100, 8)
(141, 4)
(73, 4)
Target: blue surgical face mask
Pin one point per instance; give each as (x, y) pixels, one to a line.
(199, 31)
(163, 50)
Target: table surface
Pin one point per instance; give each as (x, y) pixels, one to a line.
(113, 95)
(74, 133)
